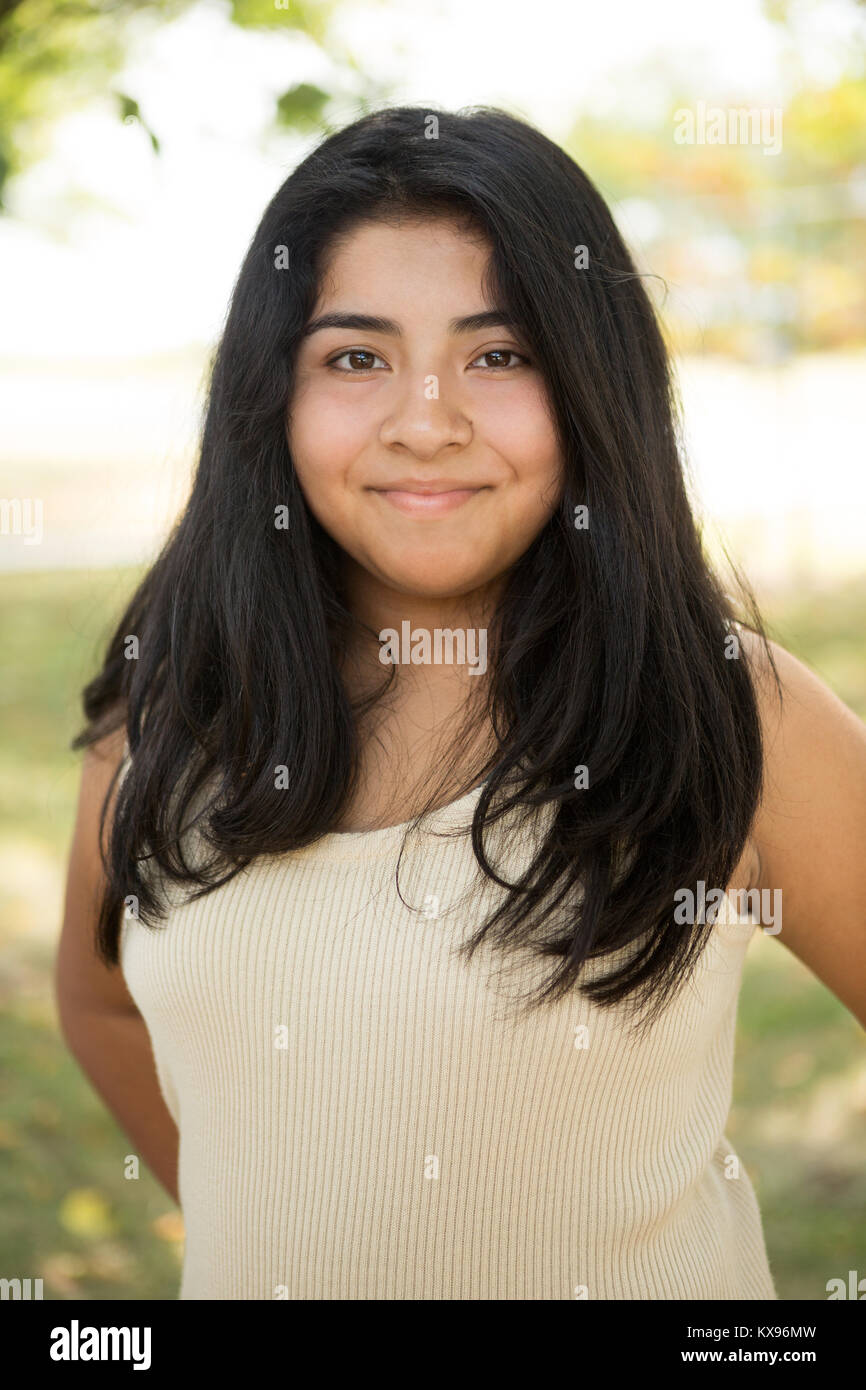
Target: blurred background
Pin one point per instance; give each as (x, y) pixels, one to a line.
(139, 145)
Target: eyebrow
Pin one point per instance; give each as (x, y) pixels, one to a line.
(372, 323)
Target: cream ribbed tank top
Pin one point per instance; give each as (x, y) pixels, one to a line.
(362, 1117)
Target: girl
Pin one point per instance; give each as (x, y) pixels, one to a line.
(433, 684)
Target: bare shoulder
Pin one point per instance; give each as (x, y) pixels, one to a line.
(804, 695)
(811, 737)
(810, 829)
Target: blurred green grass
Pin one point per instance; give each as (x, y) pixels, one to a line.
(70, 1216)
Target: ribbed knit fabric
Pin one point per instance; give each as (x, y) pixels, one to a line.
(363, 1117)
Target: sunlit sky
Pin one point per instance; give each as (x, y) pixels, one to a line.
(116, 252)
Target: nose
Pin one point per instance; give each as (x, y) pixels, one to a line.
(425, 420)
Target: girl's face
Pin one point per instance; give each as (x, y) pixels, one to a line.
(421, 433)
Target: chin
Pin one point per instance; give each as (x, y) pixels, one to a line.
(439, 580)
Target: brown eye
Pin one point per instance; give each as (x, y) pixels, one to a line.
(501, 353)
(361, 360)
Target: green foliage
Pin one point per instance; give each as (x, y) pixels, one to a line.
(56, 56)
(59, 55)
(312, 17)
(302, 107)
(130, 111)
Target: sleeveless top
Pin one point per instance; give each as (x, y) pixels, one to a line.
(362, 1115)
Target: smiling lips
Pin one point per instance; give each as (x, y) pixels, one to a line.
(427, 499)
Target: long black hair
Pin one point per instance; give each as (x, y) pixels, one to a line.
(611, 641)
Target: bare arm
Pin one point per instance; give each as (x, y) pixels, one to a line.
(811, 828)
(98, 1017)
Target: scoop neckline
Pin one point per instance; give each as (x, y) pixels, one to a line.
(360, 844)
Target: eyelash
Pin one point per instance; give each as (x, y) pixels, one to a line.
(347, 371)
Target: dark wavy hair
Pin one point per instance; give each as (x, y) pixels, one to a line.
(608, 643)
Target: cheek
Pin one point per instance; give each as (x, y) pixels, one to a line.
(325, 439)
(523, 433)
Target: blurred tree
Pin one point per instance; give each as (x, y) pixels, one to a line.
(58, 55)
(765, 254)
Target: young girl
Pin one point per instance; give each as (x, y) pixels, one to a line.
(433, 686)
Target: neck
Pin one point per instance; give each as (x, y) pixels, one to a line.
(434, 641)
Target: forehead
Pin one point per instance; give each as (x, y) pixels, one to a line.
(390, 257)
